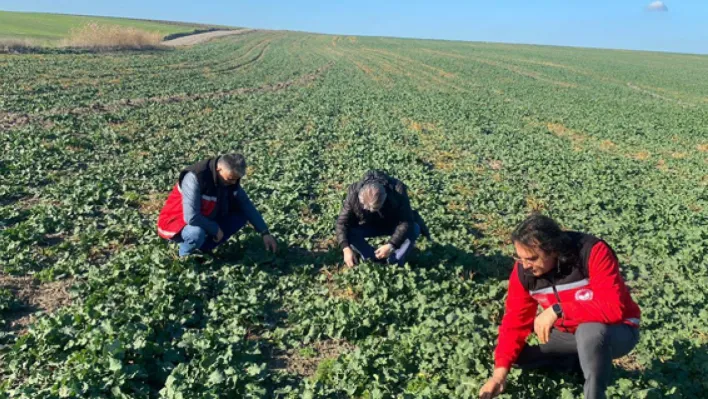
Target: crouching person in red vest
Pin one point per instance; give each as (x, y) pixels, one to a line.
(589, 317)
(208, 205)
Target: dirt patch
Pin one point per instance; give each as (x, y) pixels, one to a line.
(642, 156)
(304, 361)
(629, 363)
(151, 204)
(34, 297)
(325, 244)
(702, 147)
(9, 120)
(445, 160)
(607, 145)
(364, 69)
(561, 130)
(50, 240)
(535, 204)
(419, 126)
(661, 165)
(203, 37)
(495, 164)
(346, 293)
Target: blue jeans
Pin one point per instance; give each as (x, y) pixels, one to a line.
(193, 237)
(357, 240)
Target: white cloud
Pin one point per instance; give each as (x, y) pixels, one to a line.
(657, 6)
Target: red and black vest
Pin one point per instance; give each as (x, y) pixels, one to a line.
(564, 274)
(171, 219)
(569, 282)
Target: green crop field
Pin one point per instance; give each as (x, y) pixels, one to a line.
(609, 142)
(50, 28)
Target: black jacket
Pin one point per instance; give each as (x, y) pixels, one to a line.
(395, 214)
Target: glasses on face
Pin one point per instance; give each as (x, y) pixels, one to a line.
(524, 262)
(233, 179)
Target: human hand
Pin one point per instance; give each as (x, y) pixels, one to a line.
(349, 257)
(544, 323)
(495, 385)
(383, 251)
(270, 244)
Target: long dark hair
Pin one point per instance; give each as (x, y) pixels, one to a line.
(540, 231)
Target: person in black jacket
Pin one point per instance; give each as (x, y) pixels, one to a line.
(378, 205)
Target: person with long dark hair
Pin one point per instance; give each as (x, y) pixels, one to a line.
(588, 317)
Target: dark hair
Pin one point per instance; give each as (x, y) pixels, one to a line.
(234, 163)
(539, 231)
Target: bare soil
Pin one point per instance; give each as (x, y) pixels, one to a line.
(34, 297)
(304, 361)
(203, 37)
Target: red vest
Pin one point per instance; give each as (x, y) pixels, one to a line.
(571, 285)
(590, 290)
(171, 219)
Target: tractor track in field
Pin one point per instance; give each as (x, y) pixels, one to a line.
(250, 61)
(191, 40)
(10, 120)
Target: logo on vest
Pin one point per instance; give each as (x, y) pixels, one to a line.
(583, 295)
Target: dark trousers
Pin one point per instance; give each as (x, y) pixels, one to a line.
(592, 348)
(357, 240)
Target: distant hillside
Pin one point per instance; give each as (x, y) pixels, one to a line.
(46, 27)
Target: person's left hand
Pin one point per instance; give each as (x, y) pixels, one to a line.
(383, 251)
(270, 244)
(544, 323)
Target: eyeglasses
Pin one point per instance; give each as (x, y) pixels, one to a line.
(522, 261)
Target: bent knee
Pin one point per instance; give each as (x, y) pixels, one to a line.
(193, 233)
(592, 334)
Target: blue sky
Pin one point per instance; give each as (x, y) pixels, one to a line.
(625, 24)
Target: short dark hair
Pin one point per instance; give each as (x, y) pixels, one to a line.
(540, 231)
(235, 163)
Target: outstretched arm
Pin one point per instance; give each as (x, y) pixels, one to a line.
(249, 210)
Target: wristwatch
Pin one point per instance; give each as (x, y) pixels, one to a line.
(557, 310)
